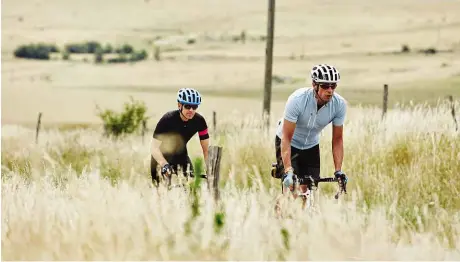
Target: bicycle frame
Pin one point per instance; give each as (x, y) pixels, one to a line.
(308, 195)
(186, 175)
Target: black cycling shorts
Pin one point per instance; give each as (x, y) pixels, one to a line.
(304, 162)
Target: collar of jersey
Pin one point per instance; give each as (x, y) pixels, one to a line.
(314, 98)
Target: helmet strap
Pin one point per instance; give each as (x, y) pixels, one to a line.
(317, 95)
(180, 110)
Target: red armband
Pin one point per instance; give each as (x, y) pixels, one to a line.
(204, 132)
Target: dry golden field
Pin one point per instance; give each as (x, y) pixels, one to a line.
(77, 195)
(363, 39)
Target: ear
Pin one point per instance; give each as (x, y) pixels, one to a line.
(315, 86)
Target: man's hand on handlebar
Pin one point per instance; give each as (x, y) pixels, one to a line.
(343, 179)
(342, 175)
(166, 170)
(288, 178)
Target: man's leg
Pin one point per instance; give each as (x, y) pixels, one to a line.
(153, 171)
(188, 164)
(313, 162)
(277, 172)
(310, 166)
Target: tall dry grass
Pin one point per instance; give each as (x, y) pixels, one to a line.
(77, 195)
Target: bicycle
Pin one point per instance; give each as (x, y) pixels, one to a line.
(312, 185)
(184, 178)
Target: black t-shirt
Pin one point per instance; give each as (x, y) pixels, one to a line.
(175, 133)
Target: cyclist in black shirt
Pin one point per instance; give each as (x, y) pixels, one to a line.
(172, 133)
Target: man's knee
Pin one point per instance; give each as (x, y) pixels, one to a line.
(278, 167)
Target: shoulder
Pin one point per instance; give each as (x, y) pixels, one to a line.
(339, 104)
(168, 118)
(166, 122)
(339, 100)
(198, 116)
(296, 103)
(170, 115)
(199, 119)
(300, 95)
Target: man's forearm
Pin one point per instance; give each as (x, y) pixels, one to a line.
(156, 154)
(205, 154)
(286, 152)
(337, 152)
(159, 157)
(205, 147)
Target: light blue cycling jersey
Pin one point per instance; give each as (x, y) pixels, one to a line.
(301, 108)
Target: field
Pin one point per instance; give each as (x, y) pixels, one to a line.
(363, 40)
(77, 195)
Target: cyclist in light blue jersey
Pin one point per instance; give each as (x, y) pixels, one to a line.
(307, 112)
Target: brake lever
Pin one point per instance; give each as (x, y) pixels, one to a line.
(342, 188)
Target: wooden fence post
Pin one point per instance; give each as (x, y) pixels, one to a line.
(385, 100)
(214, 121)
(451, 99)
(39, 121)
(144, 128)
(157, 53)
(213, 169)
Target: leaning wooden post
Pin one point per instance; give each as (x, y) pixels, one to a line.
(451, 99)
(144, 128)
(385, 100)
(39, 121)
(213, 169)
(214, 120)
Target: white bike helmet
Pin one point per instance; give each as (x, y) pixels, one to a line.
(324, 73)
(188, 96)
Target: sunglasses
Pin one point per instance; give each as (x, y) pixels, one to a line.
(327, 86)
(188, 107)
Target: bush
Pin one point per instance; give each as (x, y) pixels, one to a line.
(89, 47)
(125, 49)
(65, 55)
(35, 51)
(429, 51)
(108, 49)
(99, 56)
(126, 122)
(120, 59)
(138, 56)
(405, 49)
(126, 52)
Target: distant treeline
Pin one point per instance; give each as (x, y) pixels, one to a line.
(42, 51)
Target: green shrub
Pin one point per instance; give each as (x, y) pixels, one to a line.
(65, 55)
(138, 56)
(108, 49)
(405, 49)
(125, 49)
(36, 51)
(89, 47)
(122, 58)
(126, 122)
(99, 56)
